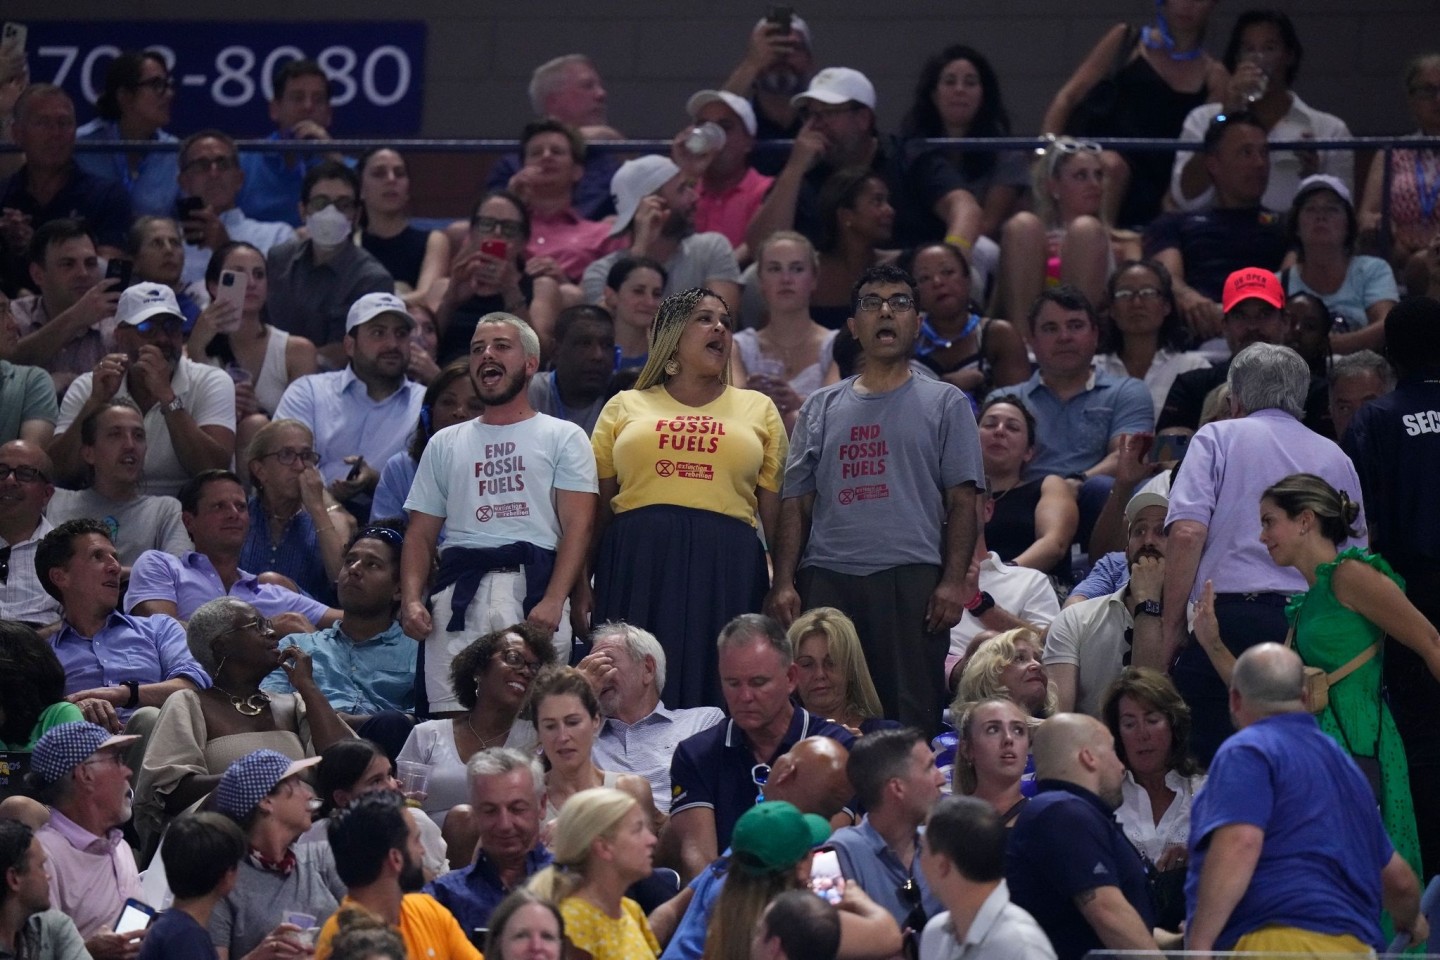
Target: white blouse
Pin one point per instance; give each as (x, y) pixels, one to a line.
(433, 742)
(1137, 817)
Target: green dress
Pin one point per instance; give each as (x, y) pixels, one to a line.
(1328, 636)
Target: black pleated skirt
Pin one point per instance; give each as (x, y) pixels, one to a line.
(682, 574)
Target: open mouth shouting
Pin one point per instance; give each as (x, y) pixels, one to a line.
(490, 374)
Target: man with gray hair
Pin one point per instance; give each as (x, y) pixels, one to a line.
(1213, 525)
(569, 89)
(1287, 850)
(1355, 379)
(507, 803)
(626, 669)
(721, 772)
(515, 492)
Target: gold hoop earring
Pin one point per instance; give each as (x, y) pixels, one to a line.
(672, 367)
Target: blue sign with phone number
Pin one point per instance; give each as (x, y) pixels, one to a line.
(223, 70)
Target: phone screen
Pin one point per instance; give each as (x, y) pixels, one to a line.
(13, 40)
(494, 248)
(1169, 447)
(119, 269)
(781, 16)
(134, 916)
(231, 290)
(825, 878)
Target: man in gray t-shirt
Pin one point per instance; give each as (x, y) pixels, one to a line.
(113, 445)
(878, 512)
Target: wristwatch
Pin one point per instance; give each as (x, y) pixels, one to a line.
(134, 687)
(1077, 475)
(983, 603)
(1150, 608)
(175, 404)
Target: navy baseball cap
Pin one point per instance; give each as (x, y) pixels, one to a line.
(250, 779)
(65, 747)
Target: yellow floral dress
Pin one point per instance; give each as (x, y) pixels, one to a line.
(627, 937)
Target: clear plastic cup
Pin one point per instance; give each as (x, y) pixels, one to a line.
(414, 778)
(705, 138)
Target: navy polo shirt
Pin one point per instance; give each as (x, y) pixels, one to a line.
(472, 893)
(1065, 842)
(713, 768)
(102, 204)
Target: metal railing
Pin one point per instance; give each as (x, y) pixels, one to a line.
(1383, 145)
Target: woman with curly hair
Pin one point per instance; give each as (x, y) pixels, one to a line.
(1009, 665)
(32, 688)
(1005, 667)
(690, 466)
(491, 679)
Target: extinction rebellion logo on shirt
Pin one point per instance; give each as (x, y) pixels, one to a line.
(685, 471)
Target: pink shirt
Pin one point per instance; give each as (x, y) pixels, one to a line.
(573, 241)
(79, 355)
(731, 212)
(90, 876)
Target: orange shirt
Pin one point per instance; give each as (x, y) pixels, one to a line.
(429, 930)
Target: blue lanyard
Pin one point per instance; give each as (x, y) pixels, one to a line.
(933, 342)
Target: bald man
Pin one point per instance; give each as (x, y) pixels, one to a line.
(1287, 850)
(811, 775)
(1068, 862)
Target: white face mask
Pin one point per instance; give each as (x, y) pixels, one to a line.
(328, 227)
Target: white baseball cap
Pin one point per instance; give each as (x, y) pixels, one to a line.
(738, 104)
(145, 300)
(372, 305)
(838, 85)
(1323, 181)
(634, 181)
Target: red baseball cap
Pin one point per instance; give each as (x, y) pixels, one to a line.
(1252, 283)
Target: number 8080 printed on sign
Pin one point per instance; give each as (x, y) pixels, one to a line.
(223, 71)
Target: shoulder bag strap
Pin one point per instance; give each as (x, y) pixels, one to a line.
(1359, 661)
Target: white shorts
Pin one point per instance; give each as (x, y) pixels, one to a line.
(499, 603)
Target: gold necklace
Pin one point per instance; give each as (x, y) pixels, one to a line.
(484, 744)
(251, 706)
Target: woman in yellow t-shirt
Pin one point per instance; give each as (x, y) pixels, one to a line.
(689, 466)
(602, 844)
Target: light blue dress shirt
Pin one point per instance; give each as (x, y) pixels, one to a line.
(363, 678)
(345, 421)
(154, 188)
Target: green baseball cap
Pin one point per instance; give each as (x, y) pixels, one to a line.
(774, 836)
